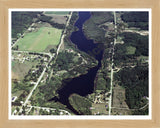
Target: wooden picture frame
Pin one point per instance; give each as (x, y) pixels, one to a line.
(154, 5)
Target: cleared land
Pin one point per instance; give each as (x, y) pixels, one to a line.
(39, 40)
(99, 109)
(119, 97)
(117, 111)
(57, 13)
(119, 106)
(130, 50)
(19, 70)
(60, 19)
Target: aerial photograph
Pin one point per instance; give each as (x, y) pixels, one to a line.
(79, 63)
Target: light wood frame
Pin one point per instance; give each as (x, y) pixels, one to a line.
(4, 71)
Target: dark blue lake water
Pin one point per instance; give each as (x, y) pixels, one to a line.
(84, 84)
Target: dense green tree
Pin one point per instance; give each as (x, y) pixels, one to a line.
(64, 59)
(80, 104)
(21, 21)
(135, 80)
(136, 19)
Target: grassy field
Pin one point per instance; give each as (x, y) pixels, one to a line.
(119, 102)
(19, 70)
(119, 97)
(57, 12)
(39, 40)
(99, 108)
(130, 50)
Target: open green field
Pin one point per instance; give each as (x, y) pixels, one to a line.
(130, 50)
(39, 40)
(57, 12)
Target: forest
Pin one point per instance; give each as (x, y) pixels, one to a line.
(131, 41)
(80, 104)
(21, 21)
(136, 19)
(135, 81)
(91, 27)
(133, 75)
(47, 19)
(64, 60)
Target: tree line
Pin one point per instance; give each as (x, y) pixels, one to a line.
(47, 19)
(21, 21)
(135, 81)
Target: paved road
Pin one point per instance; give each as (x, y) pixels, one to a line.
(18, 40)
(61, 110)
(35, 86)
(21, 36)
(61, 41)
(111, 88)
(62, 38)
(39, 79)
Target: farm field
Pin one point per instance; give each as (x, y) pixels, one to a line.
(119, 106)
(57, 12)
(39, 40)
(119, 97)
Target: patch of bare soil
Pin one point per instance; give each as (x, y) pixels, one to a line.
(143, 33)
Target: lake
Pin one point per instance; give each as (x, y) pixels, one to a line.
(84, 84)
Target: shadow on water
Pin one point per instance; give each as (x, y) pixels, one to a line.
(56, 99)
